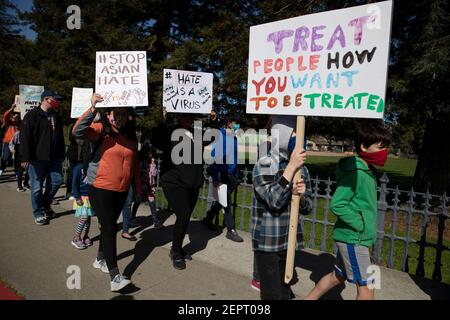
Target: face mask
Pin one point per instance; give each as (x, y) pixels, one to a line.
(54, 104)
(291, 144)
(376, 158)
(236, 127)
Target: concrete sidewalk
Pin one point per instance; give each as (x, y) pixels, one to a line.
(35, 259)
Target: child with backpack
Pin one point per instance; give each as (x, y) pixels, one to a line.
(81, 205)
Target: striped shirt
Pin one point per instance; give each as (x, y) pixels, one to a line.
(271, 204)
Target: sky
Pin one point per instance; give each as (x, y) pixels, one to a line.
(25, 5)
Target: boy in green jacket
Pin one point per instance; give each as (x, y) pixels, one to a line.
(355, 205)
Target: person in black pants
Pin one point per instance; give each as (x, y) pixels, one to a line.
(115, 145)
(181, 183)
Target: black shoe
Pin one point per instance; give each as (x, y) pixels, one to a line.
(49, 213)
(233, 236)
(158, 225)
(211, 226)
(178, 261)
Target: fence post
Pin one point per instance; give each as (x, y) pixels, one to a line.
(326, 210)
(244, 198)
(382, 208)
(420, 271)
(405, 260)
(393, 236)
(439, 246)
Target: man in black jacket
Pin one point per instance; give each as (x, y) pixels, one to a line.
(42, 149)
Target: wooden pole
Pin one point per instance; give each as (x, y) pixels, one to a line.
(295, 201)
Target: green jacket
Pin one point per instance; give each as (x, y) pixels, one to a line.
(355, 203)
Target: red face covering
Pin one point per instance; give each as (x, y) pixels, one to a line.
(376, 158)
(54, 104)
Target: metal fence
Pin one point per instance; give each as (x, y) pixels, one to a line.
(412, 228)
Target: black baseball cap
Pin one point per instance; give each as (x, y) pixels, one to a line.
(50, 93)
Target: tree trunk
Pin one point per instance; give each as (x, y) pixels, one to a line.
(433, 167)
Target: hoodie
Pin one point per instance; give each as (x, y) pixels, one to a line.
(355, 203)
(272, 192)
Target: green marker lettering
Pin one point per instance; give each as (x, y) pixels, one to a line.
(372, 102)
(359, 97)
(352, 101)
(312, 98)
(380, 108)
(326, 100)
(337, 101)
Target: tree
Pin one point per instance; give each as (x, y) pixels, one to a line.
(15, 53)
(419, 84)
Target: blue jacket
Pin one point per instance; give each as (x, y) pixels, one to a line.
(228, 164)
(79, 187)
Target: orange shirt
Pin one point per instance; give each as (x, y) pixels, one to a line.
(11, 127)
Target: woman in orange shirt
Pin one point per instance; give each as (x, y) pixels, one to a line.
(11, 121)
(110, 172)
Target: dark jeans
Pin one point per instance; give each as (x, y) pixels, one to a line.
(228, 219)
(182, 201)
(72, 165)
(49, 172)
(107, 206)
(255, 269)
(126, 211)
(271, 267)
(6, 153)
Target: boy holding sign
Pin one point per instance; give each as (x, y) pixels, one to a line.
(355, 205)
(272, 183)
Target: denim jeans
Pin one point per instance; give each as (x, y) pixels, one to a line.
(5, 155)
(49, 172)
(126, 211)
(228, 218)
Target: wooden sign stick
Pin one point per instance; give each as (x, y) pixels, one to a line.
(295, 203)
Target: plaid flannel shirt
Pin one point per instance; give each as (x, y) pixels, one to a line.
(271, 204)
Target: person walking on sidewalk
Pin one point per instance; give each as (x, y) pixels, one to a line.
(11, 122)
(181, 182)
(82, 207)
(14, 147)
(109, 175)
(225, 171)
(273, 187)
(42, 150)
(354, 204)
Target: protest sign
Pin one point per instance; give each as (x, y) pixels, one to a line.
(331, 63)
(81, 101)
(187, 91)
(30, 97)
(121, 78)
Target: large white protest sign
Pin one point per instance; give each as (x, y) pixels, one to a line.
(187, 91)
(121, 78)
(326, 64)
(30, 97)
(81, 101)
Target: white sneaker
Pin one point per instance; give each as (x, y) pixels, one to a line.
(100, 264)
(119, 282)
